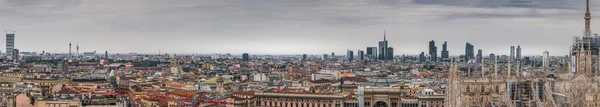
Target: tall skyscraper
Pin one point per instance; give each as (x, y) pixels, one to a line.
(245, 57)
(469, 52)
(10, 43)
(383, 45)
(350, 55)
(445, 55)
(479, 56)
(303, 56)
(372, 52)
(325, 57)
(361, 55)
(422, 57)
(545, 59)
(390, 53)
(512, 52)
(518, 52)
(432, 51)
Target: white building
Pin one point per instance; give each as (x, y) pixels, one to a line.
(545, 60)
(260, 77)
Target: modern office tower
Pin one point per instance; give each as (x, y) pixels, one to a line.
(432, 51)
(10, 43)
(479, 56)
(350, 55)
(518, 52)
(383, 45)
(372, 52)
(545, 60)
(445, 55)
(469, 52)
(512, 52)
(245, 57)
(303, 56)
(390, 53)
(422, 57)
(361, 55)
(325, 57)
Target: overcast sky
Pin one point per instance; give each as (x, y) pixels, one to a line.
(294, 26)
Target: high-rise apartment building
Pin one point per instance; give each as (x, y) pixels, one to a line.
(10, 43)
(512, 52)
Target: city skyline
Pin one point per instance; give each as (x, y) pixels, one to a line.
(300, 27)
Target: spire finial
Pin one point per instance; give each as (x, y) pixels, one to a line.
(587, 19)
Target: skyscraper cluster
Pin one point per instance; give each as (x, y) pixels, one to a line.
(432, 51)
(385, 52)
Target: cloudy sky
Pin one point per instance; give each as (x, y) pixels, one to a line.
(294, 26)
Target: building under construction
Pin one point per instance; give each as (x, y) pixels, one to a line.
(575, 86)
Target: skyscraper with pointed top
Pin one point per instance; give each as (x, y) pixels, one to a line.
(383, 47)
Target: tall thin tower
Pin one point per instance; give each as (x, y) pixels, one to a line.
(77, 49)
(587, 18)
(70, 50)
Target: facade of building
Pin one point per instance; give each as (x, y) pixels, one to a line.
(469, 52)
(545, 59)
(10, 44)
(245, 57)
(350, 55)
(445, 54)
(372, 52)
(512, 52)
(519, 52)
(361, 55)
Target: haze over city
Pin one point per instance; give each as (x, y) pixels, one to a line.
(292, 26)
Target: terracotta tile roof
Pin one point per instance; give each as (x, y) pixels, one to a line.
(183, 93)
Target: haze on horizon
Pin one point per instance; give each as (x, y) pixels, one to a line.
(294, 26)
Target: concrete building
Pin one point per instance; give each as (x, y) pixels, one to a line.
(10, 44)
(445, 54)
(512, 52)
(545, 59)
